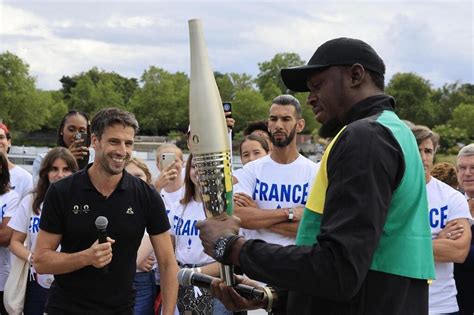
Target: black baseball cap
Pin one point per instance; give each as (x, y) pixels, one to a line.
(336, 52)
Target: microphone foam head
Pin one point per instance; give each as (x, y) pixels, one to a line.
(184, 276)
(101, 223)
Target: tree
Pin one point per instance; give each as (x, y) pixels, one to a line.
(448, 97)
(307, 112)
(412, 94)
(248, 106)
(270, 70)
(161, 105)
(95, 89)
(21, 105)
(463, 117)
(56, 107)
(225, 86)
(230, 83)
(241, 81)
(270, 91)
(449, 138)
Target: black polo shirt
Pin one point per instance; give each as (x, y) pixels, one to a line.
(70, 208)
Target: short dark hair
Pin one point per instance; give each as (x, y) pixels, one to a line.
(4, 175)
(256, 125)
(377, 78)
(422, 133)
(287, 99)
(111, 116)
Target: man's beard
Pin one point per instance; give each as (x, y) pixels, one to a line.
(285, 142)
(106, 165)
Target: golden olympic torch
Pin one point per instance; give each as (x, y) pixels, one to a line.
(209, 142)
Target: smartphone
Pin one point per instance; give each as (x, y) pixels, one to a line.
(81, 136)
(167, 159)
(227, 108)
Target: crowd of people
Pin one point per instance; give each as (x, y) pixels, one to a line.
(374, 228)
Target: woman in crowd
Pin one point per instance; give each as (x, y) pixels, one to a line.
(251, 147)
(189, 251)
(9, 200)
(144, 281)
(170, 180)
(75, 135)
(57, 164)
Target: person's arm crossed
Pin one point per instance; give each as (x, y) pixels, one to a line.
(455, 247)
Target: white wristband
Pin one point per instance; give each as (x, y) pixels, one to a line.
(29, 257)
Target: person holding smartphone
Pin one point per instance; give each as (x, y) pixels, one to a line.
(169, 161)
(73, 134)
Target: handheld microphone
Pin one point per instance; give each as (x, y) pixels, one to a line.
(101, 226)
(188, 276)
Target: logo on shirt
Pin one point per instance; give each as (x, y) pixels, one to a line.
(76, 209)
(129, 211)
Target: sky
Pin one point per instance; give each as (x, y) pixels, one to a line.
(431, 38)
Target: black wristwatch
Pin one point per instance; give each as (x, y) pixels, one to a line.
(223, 245)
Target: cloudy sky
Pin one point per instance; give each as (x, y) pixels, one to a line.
(431, 38)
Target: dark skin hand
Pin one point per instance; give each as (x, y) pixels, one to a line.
(210, 230)
(231, 299)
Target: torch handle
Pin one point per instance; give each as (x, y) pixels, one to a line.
(227, 274)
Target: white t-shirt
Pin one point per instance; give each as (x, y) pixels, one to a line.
(445, 204)
(21, 181)
(274, 186)
(170, 198)
(26, 221)
(8, 204)
(183, 221)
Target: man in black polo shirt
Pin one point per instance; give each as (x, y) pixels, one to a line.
(70, 209)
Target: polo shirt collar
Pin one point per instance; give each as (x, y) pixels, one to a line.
(123, 184)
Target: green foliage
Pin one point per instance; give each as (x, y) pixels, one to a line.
(310, 122)
(241, 81)
(22, 107)
(412, 94)
(248, 106)
(270, 91)
(56, 107)
(270, 70)
(448, 97)
(161, 105)
(225, 86)
(160, 102)
(95, 89)
(231, 83)
(449, 137)
(463, 117)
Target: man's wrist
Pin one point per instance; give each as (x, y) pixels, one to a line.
(234, 251)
